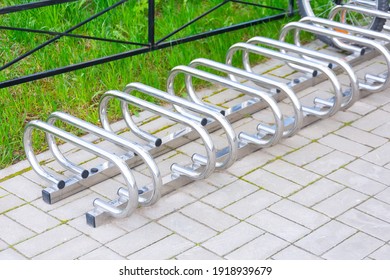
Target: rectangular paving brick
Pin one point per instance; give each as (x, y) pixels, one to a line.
(47, 240)
(294, 253)
(376, 208)
(167, 204)
(138, 239)
(382, 253)
(230, 194)
(325, 237)
(291, 172)
(272, 182)
(9, 202)
(187, 227)
(345, 145)
(11, 254)
(101, 253)
(367, 224)
(356, 181)
(232, 238)
(361, 108)
(198, 189)
(12, 232)
(370, 170)
(249, 163)
(319, 129)
(340, 202)
(356, 247)
(205, 214)
(382, 130)
(307, 154)
(164, 249)
(22, 187)
(251, 204)
(278, 226)
(295, 142)
(372, 120)
(379, 156)
(70, 250)
(329, 163)
(198, 253)
(316, 192)
(384, 196)
(33, 219)
(299, 214)
(361, 136)
(261, 248)
(220, 179)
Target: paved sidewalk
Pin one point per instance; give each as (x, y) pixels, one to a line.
(321, 194)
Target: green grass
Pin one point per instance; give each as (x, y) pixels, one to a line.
(78, 92)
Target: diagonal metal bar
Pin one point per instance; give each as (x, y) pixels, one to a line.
(59, 36)
(257, 5)
(33, 5)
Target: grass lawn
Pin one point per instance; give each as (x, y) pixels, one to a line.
(78, 92)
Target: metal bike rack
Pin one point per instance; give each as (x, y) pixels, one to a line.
(371, 83)
(321, 109)
(130, 198)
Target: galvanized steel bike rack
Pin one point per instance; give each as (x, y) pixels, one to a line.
(201, 119)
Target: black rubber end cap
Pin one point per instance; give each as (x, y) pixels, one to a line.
(90, 220)
(94, 170)
(330, 66)
(140, 191)
(363, 51)
(85, 174)
(203, 122)
(278, 90)
(315, 73)
(46, 197)
(61, 184)
(223, 112)
(158, 142)
(297, 81)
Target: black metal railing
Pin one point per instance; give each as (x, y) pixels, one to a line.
(151, 45)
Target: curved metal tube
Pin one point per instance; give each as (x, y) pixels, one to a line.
(179, 169)
(349, 98)
(304, 25)
(297, 119)
(152, 195)
(132, 199)
(316, 110)
(216, 116)
(261, 138)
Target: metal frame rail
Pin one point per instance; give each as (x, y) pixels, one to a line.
(152, 43)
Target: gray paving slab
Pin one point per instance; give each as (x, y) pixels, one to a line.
(376, 208)
(9, 202)
(307, 154)
(361, 136)
(12, 232)
(384, 195)
(379, 156)
(198, 253)
(294, 253)
(102, 253)
(382, 253)
(22, 188)
(372, 171)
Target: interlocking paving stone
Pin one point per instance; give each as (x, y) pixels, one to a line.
(319, 129)
(10, 202)
(11, 254)
(294, 253)
(198, 253)
(291, 172)
(361, 108)
(345, 145)
(366, 223)
(232, 238)
(103, 234)
(138, 239)
(376, 208)
(370, 170)
(340, 202)
(384, 196)
(209, 216)
(295, 142)
(220, 179)
(379, 156)
(361, 136)
(131, 223)
(329, 163)
(46, 240)
(246, 164)
(187, 227)
(325, 237)
(166, 248)
(277, 225)
(316, 192)
(72, 249)
(382, 130)
(251, 204)
(356, 247)
(167, 204)
(102, 253)
(376, 99)
(372, 120)
(198, 189)
(229, 194)
(345, 116)
(278, 150)
(299, 214)
(12, 232)
(382, 253)
(22, 187)
(261, 248)
(356, 181)
(307, 154)
(33, 218)
(272, 182)
(3, 245)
